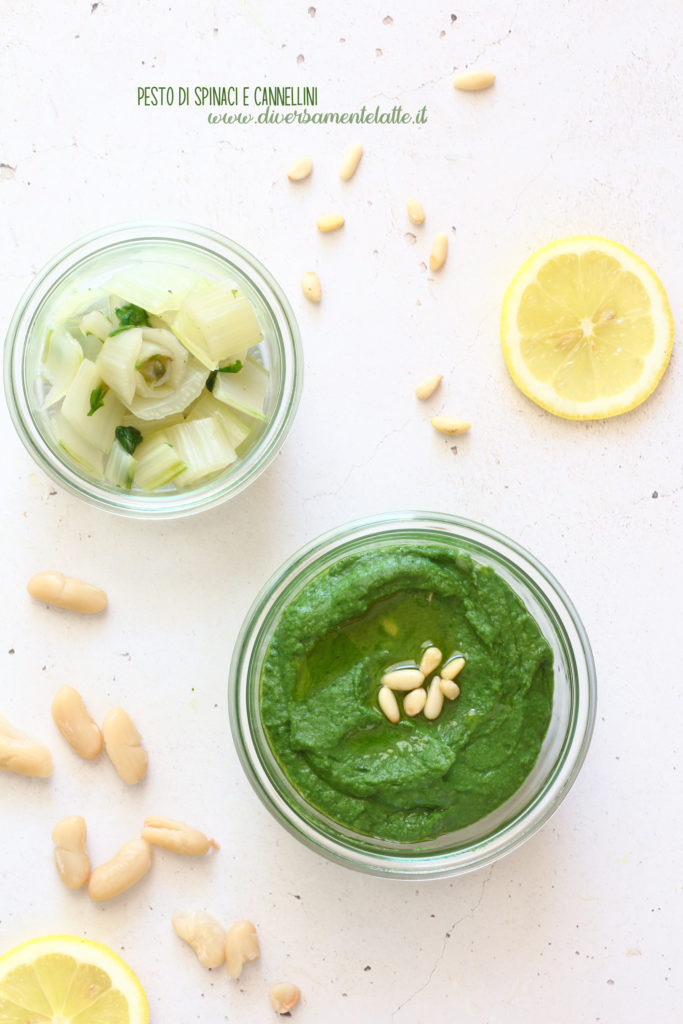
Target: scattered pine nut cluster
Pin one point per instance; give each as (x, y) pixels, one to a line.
(410, 679)
(443, 424)
(303, 167)
(469, 81)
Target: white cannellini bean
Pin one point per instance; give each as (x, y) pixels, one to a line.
(430, 660)
(241, 947)
(67, 592)
(120, 872)
(71, 855)
(204, 934)
(177, 837)
(388, 704)
(284, 996)
(403, 678)
(434, 702)
(414, 702)
(22, 754)
(77, 727)
(123, 744)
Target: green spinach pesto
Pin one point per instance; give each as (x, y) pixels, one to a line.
(417, 779)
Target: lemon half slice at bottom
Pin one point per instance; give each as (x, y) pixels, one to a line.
(61, 979)
(586, 328)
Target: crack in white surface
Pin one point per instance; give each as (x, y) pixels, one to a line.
(497, 42)
(449, 934)
(356, 467)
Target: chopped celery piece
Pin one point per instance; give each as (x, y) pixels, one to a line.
(75, 445)
(96, 425)
(189, 334)
(207, 405)
(116, 362)
(61, 357)
(156, 287)
(244, 391)
(120, 467)
(220, 320)
(144, 426)
(203, 447)
(158, 462)
(95, 323)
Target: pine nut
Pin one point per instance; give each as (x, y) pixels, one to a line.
(403, 678)
(449, 689)
(67, 592)
(75, 724)
(414, 702)
(330, 222)
(427, 387)
(284, 996)
(416, 212)
(437, 256)
(431, 659)
(177, 837)
(123, 744)
(449, 425)
(388, 704)
(300, 169)
(351, 161)
(311, 286)
(241, 947)
(203, 932)
(453, 667)
(21, 754)
(473, 81)
(434, 703)
(120, 872)
(71, 854)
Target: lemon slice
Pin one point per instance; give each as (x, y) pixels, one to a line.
(586, 328)
(60, 979)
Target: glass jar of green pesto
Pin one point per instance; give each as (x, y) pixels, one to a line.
(401, 787)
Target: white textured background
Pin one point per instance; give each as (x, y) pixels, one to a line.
(581, 134)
